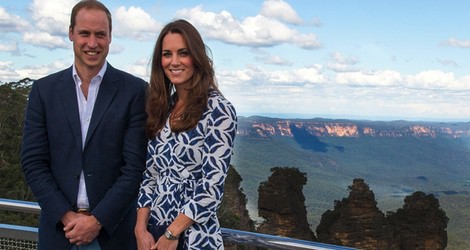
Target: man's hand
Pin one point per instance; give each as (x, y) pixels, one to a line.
(81, 229)
(68, 217)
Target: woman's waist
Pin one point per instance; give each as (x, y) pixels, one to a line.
(175, 180)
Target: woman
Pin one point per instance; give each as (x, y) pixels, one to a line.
(192, 128)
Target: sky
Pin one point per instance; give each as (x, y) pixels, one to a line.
(351, 59)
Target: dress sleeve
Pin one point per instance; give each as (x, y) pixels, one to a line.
(217, 152)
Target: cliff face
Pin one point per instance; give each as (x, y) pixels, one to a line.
(264, 128)
(357, 222)
(282, 204)
(421, 223)
(232, 212)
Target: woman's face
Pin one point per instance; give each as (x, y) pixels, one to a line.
(177, 63)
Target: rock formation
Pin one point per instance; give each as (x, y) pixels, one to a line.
(356, 222)
(420, 224)
(232, 212)
(282, 204)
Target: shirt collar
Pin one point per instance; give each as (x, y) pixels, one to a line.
(100, 74)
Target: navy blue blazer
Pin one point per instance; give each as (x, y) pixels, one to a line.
(113, 158)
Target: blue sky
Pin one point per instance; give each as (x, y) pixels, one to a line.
(379, 60)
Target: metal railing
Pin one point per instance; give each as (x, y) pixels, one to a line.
(15, 237)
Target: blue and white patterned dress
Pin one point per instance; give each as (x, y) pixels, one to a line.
(186, 172)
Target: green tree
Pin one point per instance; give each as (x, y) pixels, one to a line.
(13, 99)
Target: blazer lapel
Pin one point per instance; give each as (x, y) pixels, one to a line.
(106, 93)
(68, 96)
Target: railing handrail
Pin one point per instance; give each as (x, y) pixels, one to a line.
(275, 242)
(20, 206)
(229, 235)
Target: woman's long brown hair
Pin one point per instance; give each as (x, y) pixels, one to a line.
(161, 90)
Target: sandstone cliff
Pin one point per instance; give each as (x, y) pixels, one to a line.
(282, 204)
(421, 223)
(232, 212)
(262, 127)
(357, 222)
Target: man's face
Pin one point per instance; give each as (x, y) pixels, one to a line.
(91, 38)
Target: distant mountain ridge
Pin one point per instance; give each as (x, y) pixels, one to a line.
(264, 127)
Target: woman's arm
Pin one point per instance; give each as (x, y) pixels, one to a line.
(144, 238)
(220, 129)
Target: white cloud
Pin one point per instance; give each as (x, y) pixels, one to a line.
(311, 75)
(432, 80)
(259, 77)
(339, 58)
(316, 22)
(437, 79)
(37, 72)
(448, 62)
(281, 10)
(257, 31)
(235, 78)
(340, 67)
(115, 48)
(275, 60)
(263, 55)
(141, 69)
(7, 73)
(135, 23)
(359, 94)
(45, 40)
(457, 43)
(373, 78)
(11, 23)
(341, 63)
(52, 17)
(11, 47)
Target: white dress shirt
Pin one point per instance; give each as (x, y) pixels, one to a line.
(85, 109)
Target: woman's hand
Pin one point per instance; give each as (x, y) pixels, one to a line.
(165, 244)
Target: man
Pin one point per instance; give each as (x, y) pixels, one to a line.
(84, 143)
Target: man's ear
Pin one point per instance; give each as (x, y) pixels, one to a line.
(70, 34)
